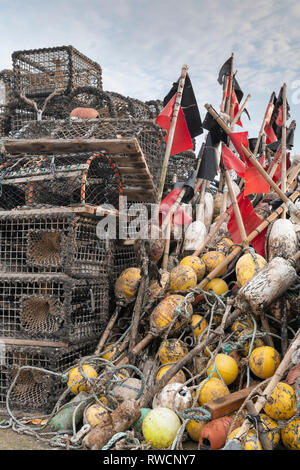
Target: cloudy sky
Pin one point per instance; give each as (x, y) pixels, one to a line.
(142, 44)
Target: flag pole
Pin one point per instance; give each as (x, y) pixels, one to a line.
(255, 163)
(236, 210)
(237, 117)
(228, 104)
(283, 145)
(172, 131)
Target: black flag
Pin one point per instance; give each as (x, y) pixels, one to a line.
(210, 159)
(189, 106)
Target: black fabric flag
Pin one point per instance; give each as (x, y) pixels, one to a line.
(225, 70)
(276, 118)
(189, 106)
(252, 145)
(211, 124)
(210, 159)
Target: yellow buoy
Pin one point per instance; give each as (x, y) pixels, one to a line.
(250, 441)
(75, 375)
(172, 350)
(290, 434)
(109, 354)
(196, 263)
(182, 278)
(194, 429)
(227, 368)
(225, 245)
(94, 413)
(198, 324)
(164, 313)
(217, 285)
(212, 259)
(211, 390)
(258, 342)
(281, 403)
(179, 377)
(245, 268)
(269, 423)
(160, 427)
(127, 284)
(264, 361)
(240, 325)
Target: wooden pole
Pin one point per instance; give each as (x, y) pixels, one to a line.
(236, 210)
(283, 143)
(228, 104)
(255, 163)
(172, 131)
(216, 272)
(237, 117)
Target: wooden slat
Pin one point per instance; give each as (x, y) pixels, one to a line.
(226, 405)
(49, 146)
(30, 342)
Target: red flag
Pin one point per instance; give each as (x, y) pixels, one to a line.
(235, 103)
(180, 217)
(231, 162)
(254, 182)
(251, 221)
(239, 138)
(271, 136)
(182, 140)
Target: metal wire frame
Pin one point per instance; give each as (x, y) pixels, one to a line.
(50, 241)
(52, 307)
(38, 72)
(34, 390)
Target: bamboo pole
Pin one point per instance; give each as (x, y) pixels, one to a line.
(283, 144)
(216, 272)
(228, 104)
(255, 163)
(237, 117)
(236, 210)
(172, 131)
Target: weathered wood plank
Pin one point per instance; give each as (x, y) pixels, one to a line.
(111, 146)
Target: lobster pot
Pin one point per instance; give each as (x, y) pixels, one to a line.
(180, 165)
(3, 111)
(5, 86)
(52, 307)
(132, 222)
(34, 390)
(21, 114)
(47, 241)
(149, 135)
(124, 257)
(60, 180)
(126, 107)
(39, 72)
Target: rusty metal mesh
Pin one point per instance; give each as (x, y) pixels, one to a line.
(38, 72)
(52, 242)
(149, 135)
(52, 307)
(59, 180)
(34, 390)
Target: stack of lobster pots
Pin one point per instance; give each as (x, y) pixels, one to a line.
(54, 270)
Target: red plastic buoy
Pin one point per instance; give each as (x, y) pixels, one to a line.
(213, 434)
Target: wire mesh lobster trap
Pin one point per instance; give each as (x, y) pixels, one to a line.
(53, 241)
(52, 307)
(35, 390)
(38, 72)
(59, 180)
(86, 177)
(180, 165)
(124, 257)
